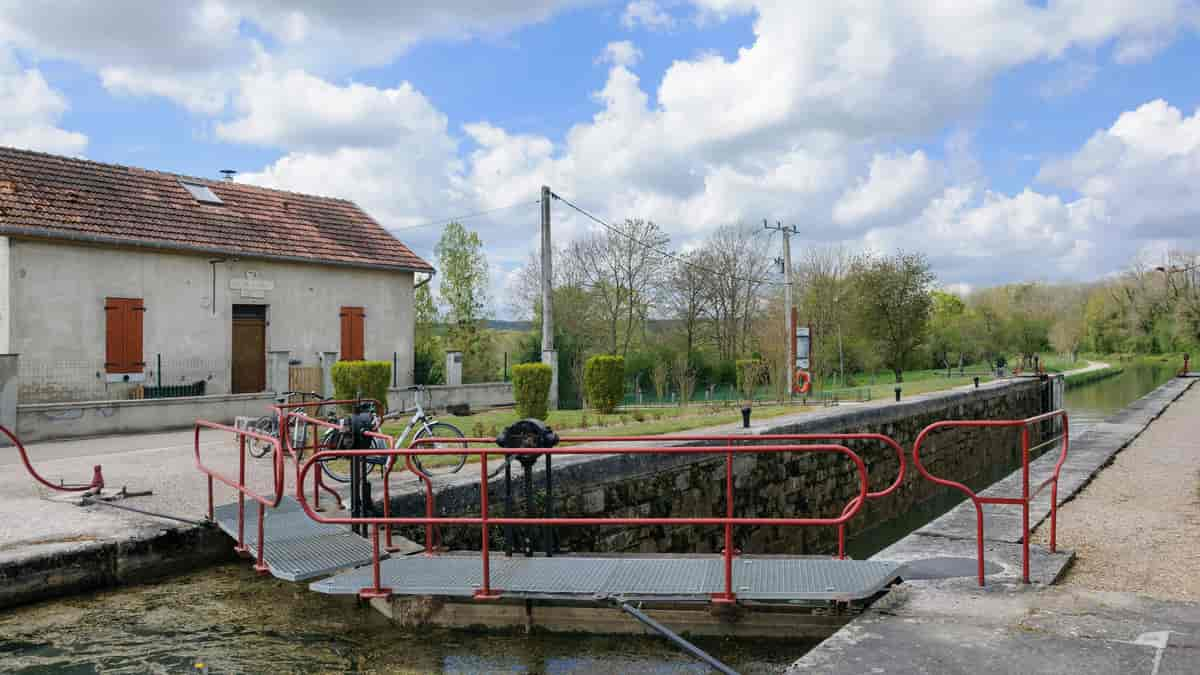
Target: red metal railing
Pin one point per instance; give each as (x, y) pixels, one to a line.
(1026, 496)
(484, 520)
(240, 484)
(97, 476)
(284, 414)
(886, 440)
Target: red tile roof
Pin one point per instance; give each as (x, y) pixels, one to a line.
(48, 196)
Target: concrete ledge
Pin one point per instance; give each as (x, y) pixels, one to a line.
(49, 421)
(479, 396)
(95, 565)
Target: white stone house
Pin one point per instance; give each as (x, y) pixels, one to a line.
(106, 269)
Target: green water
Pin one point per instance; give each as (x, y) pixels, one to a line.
(1091, 403)
(235, 621)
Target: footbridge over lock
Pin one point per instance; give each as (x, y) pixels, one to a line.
(351, 553)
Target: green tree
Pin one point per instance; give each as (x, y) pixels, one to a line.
(947, 330)
(428, 354)
(893, 298)
(464, 296)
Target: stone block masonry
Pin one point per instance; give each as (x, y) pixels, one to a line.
(768, 484)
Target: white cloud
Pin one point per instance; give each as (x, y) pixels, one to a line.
(30, 115)
(301, 112)
(896, 186)
(622, 53)
(1068, 80)
(1145, 168)
(194, 53)
(647, 14)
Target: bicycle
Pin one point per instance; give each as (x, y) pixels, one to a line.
(268, 425)
(430, 427)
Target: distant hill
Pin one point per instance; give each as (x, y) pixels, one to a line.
(497, 324)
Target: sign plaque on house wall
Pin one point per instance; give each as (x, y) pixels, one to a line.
(252, 286)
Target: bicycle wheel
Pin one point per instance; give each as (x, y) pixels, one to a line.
(338, 468)
(266, 425)
(435, 464)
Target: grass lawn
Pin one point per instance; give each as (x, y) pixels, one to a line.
(667, 420)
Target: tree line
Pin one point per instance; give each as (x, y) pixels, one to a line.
(682, 319)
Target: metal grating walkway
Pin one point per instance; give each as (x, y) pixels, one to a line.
(591, 578)
(296, 548)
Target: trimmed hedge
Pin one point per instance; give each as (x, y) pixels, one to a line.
(604, 382)
(531, 389)
(1080, 379)
(362, 379)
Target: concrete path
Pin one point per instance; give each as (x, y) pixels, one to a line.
(1136, 527)
(1092, 365)
(952, 625)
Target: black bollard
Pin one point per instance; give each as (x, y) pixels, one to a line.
(897, 394)
(746, 417)
(976, 382)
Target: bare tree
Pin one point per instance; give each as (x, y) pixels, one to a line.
(622, 268)
(733, 263)
(685, 379)
(683, 296)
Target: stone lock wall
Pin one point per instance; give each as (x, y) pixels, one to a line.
(768, 484)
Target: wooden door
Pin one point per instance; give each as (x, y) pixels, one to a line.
(249, 354)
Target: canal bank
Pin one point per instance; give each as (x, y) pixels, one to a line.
(954, 625)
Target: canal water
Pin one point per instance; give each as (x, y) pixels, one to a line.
(232, 620)
(1086, 405)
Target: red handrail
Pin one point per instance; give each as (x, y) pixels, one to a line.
(484, 520)
(284, 410)
(1026, 496)
(97, 476)
(240, 484)
(285, 418)
(731, 438)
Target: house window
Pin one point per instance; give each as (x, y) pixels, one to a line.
(352, 333)
(123, 335)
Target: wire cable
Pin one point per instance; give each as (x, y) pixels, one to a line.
(667, 254)
(447, 221)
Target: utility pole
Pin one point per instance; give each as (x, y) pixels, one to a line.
(549, 355)
(788, 328)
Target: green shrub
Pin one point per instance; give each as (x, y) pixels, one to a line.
(362, 379)
(531, 389)
(604, 382)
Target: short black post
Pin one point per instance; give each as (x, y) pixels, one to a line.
(526, 538)
(395, 364)
(976, 382)
(159, 371)
(746, 417)
(508, 529)
(548, 531)
(356, 505)
(897, 394)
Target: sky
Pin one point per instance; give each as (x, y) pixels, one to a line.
(1009, 140)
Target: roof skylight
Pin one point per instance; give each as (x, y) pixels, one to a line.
(202, 193)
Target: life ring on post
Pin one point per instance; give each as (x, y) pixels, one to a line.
(806, 386)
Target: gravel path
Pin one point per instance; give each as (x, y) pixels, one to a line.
(1136, 527)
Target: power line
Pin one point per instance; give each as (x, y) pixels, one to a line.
(666, 254)
(447, 221)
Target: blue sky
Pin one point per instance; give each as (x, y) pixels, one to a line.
(1062, 134)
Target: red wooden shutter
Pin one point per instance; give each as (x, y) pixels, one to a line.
(123, 335)
(352, 333)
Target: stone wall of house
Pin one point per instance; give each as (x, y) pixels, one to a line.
(766, 485)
